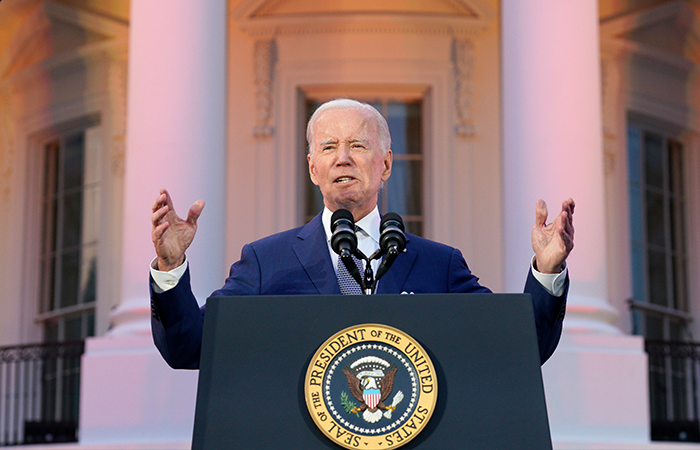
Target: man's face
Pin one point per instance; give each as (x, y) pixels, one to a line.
(346, 162)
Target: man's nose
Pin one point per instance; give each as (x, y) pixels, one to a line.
(343, 154)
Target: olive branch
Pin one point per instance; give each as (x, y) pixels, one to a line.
(348, 405)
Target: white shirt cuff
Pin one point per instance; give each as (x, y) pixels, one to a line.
(164, 281)
(554, 283)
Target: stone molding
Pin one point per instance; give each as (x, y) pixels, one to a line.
(6, 147)
(117, 82)
(464, 61)
(268, 27)
(264, 69)
(609, 98)
(258, 17)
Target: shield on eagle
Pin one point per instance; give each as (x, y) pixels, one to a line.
(372, 397)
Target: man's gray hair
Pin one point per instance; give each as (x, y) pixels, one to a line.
(383, 136)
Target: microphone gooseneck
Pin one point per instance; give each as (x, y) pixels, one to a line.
(344, 242)
(392, 241)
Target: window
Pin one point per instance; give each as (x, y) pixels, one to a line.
(659, 275)
(403, 192)
(70, 205)
(657, 218)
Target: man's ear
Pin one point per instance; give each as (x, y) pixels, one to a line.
(388, 160)
(312, 170)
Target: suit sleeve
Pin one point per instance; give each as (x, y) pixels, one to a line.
(176, 324)
(177, 321)
(549, 315)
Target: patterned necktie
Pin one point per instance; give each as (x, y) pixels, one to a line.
(347, 284)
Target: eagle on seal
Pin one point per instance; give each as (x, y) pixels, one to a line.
(371, 380)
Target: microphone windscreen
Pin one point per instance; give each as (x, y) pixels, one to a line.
(392, 233)
(391, 217)
(341, 214)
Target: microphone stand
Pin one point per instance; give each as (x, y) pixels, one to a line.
(391, 245)
(367, 282)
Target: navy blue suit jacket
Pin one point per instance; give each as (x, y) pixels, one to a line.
(298, 262)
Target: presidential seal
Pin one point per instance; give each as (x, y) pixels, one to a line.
(370, 386)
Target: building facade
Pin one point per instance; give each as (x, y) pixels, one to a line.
(492, 105)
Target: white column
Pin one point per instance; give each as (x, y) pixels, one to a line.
(553, 149)
(175, 140)
(553, 143)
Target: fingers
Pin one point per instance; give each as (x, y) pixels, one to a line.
(159, 215)
(159, 202)
(158, 231)
(160, 208)
(162, 200)
(568, 216)
(168, 200)
(568, 206)
(541, 213)
(565, 229)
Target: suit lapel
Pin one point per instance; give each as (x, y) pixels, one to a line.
(311, 248)
(396, 276)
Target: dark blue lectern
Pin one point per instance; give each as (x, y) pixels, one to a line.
(256, 351)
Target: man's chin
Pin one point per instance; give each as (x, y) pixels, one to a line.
(358, 209)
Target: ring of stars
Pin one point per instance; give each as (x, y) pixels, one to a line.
(381, 348)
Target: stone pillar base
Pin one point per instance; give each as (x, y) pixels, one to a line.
(597, 391)
(129, 395)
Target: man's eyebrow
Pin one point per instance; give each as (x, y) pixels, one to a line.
(351, 141)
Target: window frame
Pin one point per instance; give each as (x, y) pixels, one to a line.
(86, 311)
(372, 95)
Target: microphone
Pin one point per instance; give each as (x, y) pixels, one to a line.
(392, 241)
(343, 239)
(344, 242)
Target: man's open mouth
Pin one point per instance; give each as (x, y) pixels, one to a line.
(343, 179)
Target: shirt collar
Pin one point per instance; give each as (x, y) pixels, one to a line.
(369, 223)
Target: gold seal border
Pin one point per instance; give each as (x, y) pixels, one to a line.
(371, 333)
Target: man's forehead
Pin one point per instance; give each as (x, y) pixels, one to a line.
(350, 123)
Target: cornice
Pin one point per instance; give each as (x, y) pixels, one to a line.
(614, 32)
(101, 51)
(374, 23)
(615, 26)
(49, 12)
(619, 48)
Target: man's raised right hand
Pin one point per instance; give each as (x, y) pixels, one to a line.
(171, 235)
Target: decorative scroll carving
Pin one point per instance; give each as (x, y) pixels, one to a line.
(6, 149)
(265, 57)
(609, 97)
(463, 60)
(117, 89)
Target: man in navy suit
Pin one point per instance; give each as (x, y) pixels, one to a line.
(349, 159)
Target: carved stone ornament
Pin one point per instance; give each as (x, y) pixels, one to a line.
(463, 60)
(118, 92)
(6, 151)
(609, 97)
(609, 93)
(265, 56)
